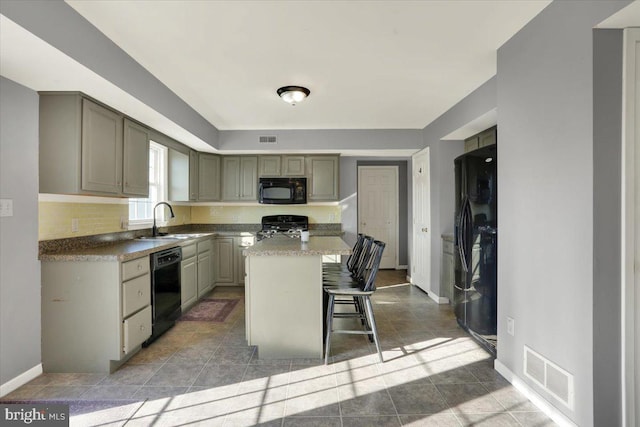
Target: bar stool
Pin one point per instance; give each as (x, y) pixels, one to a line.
(362, 294)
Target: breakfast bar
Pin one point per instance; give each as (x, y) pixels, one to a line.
(283, 295)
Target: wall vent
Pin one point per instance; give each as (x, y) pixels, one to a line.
(268, 139)
(552, 378)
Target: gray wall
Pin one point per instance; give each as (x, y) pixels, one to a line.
(19, 265)
(349, 198)
(323, 139)
(545, 180)
(607, 160)
(62, 27)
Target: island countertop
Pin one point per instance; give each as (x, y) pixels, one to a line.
(287, 246)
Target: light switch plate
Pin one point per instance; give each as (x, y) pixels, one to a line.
(511, 326)
(6, 207)
(74, 225)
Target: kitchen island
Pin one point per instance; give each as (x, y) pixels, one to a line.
(283, 295)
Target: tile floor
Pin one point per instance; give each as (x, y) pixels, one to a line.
(205, 374)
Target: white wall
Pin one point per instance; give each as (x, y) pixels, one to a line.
(19, 265)
(545, 186)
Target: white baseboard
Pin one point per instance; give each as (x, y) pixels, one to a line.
(20, 380)
(438, 299)
(544, 406)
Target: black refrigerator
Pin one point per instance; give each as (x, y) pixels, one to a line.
(475, 295)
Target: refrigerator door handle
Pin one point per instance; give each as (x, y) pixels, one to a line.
(462, 232)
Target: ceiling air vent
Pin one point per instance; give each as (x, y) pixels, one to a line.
(268, 139)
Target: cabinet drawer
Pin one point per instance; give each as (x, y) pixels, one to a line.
(447, 246)
(136, 293)
(203, 246)
(188, 251)
(136, 329)
(135, 268)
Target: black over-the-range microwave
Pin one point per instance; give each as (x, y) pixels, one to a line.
(282, 191)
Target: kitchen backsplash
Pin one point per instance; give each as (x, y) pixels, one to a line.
(105, 215)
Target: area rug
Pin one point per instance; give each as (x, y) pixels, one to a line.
(210, 310)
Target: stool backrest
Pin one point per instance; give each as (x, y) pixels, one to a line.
(363, 258)
(352, 261)
(368, 282)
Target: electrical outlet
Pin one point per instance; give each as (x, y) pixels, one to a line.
(511, 326)
(74, 225)
(124, 223)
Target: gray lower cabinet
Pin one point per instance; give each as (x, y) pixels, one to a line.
(205, 267)
(224, 260)
(447, 268)
(240, 178)
(324, 178)
(189, 276)
(208, 177)
(229, 261)
(95, 314)
(87, 148)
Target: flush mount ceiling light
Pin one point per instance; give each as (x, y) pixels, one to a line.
(293, 94)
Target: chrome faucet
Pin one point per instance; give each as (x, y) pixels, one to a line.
(154, 230)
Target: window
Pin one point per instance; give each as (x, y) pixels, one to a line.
(141, 210)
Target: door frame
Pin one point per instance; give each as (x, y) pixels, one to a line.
(630, 303)
(396, 255)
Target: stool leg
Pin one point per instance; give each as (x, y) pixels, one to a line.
(327, 344)
(372, 321)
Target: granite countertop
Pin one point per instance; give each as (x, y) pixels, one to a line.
(287, 246)
(123, 250)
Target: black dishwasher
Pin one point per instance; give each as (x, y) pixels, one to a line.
(165, 290)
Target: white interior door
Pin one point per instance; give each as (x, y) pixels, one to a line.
(421, 257)
(631, 230)
(378, 208)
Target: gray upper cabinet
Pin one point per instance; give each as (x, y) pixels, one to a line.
(293, 165)
(101, 149)
(324, 178)
(86, 148)
(482, 139)
(193, 175)
(269, 166)
(135, 153)
(208, 177)
(178, 176)
(240, 178)
(488, 137)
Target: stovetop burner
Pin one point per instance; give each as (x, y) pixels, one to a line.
(289, 225)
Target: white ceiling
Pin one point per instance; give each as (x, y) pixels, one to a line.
(368, 64)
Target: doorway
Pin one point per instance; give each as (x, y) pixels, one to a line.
(378, 208)
(421, 257)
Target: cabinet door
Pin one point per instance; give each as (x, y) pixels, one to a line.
(249, 178)
(269, 166)
(204, 273)
(189, 282)
(231, 178)
(208, 177)
(239, 244)
(135, 173)
(224, 260)
(178, 176)
(471, 144)
(293, 166)
(101, 149)
(324, 178)
(193, 175)
(488, 137)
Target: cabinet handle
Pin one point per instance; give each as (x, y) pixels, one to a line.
(142, 327)
(139, 267)
(140, 293)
